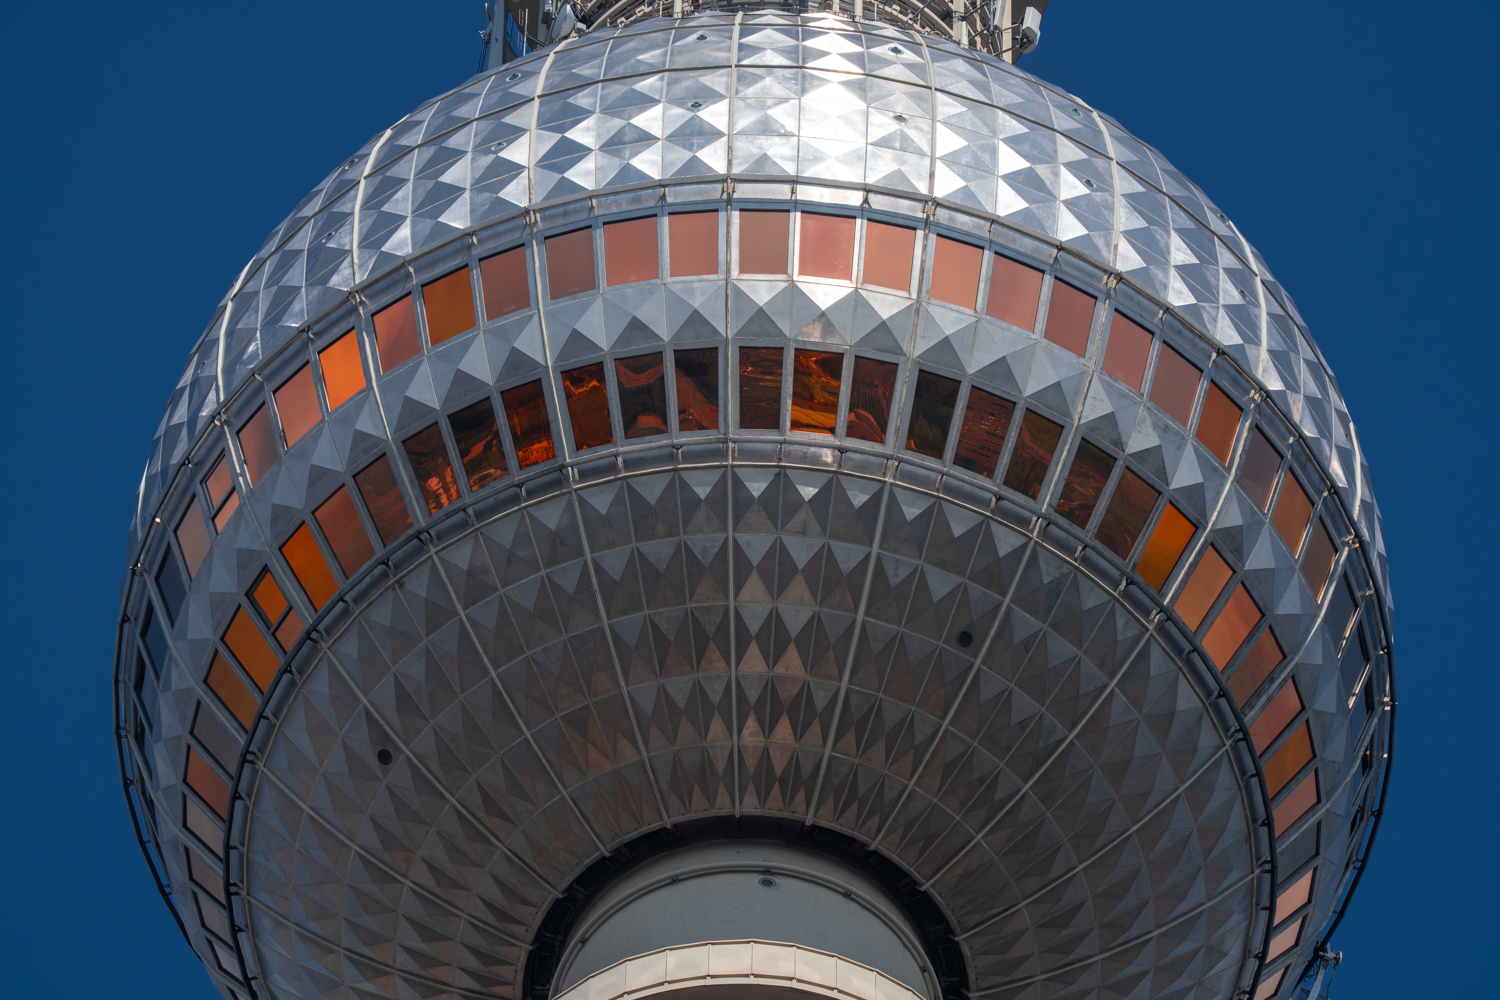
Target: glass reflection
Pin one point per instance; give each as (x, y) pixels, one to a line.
(530, 427)
(428, 455)
(1126, 515)
(588, 406)
(382, 496)
(817, 378)
(643, 395)
(760, 388)
(931, 414)
(346, 535)
(697, 385)
(1085, 483)
(476, 432)
(870, 396)
(981, 435)
(1033, 455)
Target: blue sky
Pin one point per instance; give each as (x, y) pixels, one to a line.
(149, 151)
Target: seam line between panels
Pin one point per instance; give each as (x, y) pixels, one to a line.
(731, 413)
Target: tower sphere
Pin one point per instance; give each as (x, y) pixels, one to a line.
(756, 499)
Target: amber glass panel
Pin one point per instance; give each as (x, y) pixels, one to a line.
(192, 538)
(1288, 761)
(870, 399)
(449, 302)
(1085, 483)
(477, 434)
(309, 567)
(1229, 630)
(1127, 352)
(227, 511)
(202, 779)
(377, 484)
(339, 519)
(888, 252)
(269, 598)
(396, 339)
(1175, 385)
(1285, 940)
(530, 427)
(630, 251)
(1270, 986)
(504, 283)
(202, 826)
(258, 443)
(817, 378)
(825, 246)
(1292, 808)
(1015, 291)
(1318, 562)
(1275, 717)
(1293, 512)
(1033, 455)
(1218, 422)
(1258, 470)
(1126, 515)
(760, 387)
(692, 243)
(931, 414)
(297, 405)
(1070, 317)
(570, 263)
(240, 700)
(250, 648)
(218, 482)
(428, 455)
(1169, 539)
(286, 633)
(643, 394)
(343, 374)
(220, 744)
(763, 242)
(1257, 665)
(205, 877)
(1296, 895)
(588, 406)
(981, 436)
(213, 921)
(1203, 588)
(697, 376)
(955, 272)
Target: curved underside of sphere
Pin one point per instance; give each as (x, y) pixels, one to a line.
(1045, 568)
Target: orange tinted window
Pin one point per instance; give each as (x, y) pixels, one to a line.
(570, 263)
(955, 272)
(205, 877)
(1318, 562)
(1258, 469)
(286, 633)
(1169, 539)
(981, 436)
(697, 384)
(1085, 483)
(1218, 422)
(817, 377)
(477, 434)
(258, 443)
(1292, 808)
(428, 454)
(588, 406)
(630, 251)
(240, 700)
(763, 241)
(382, 496)
(504, 283)
(212, 920)
(1203, 588)
(297, 405)
(693, 243)
(1070, 317)
(1033, 454)
(203, 779)
(268, 598)
(1015, 290)
(1296, 895)
(1175, 385)
(231, 505)
(1257, 665)
(1285, 763)
(1285, 940)
(202, 826)
(449, 303)
(826, 246)
(309, 567)
(870, 397)
(1239, 616)
(643, 395)
(343, 374)
(1126, 515)
(1269, 986)
(223, 747)
(530, 427)
(396, 339)
(888, 252)
(760, 388)
(192, 538)
(1275, 717)
(1293, 512)
(250, 648)
(346, 534)
(1127, 352)
(218, 482)
(931, 414)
